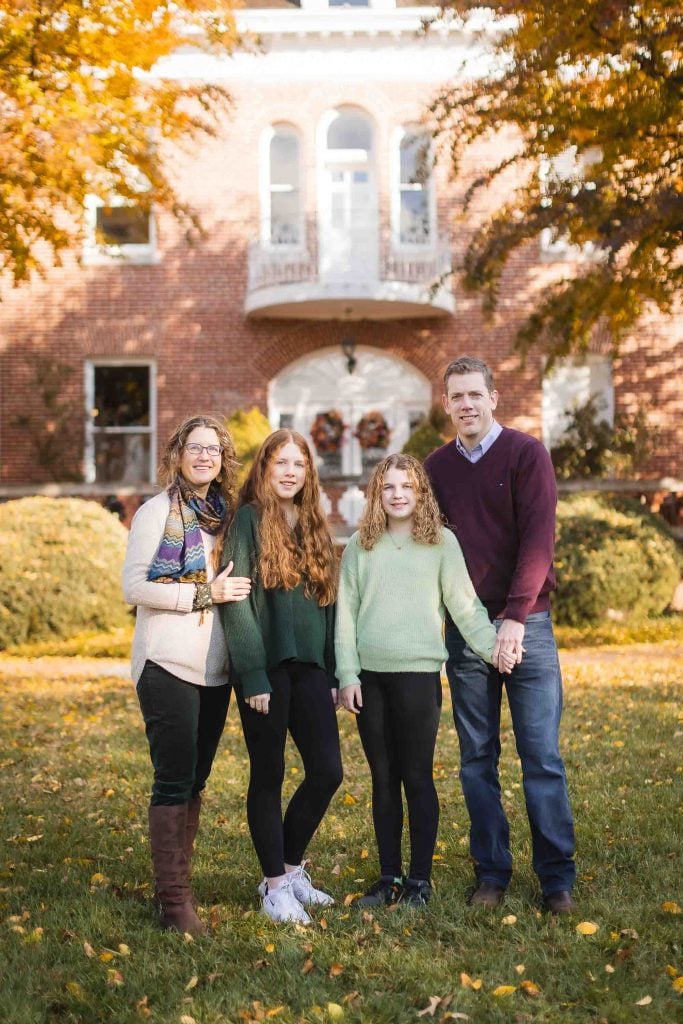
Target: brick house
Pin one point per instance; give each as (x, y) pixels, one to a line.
(312, 288)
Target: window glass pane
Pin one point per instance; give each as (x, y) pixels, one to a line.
(121, 396)
(338, 206)
(349, 131)
(122, 458)
(122, 225)
(414, 159)
(284, 160)
(284, 218)
(415, 226)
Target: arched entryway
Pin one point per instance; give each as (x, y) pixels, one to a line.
(320, 384)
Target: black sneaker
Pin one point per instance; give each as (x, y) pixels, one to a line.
(416, 892)
(385, 892)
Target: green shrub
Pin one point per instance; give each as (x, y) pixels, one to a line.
(61, 569)
(613, 559)
(428, 435)
(249, 429)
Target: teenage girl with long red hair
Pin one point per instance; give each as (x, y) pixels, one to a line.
(281, 644)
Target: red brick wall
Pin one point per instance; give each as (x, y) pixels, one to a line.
(187, 312)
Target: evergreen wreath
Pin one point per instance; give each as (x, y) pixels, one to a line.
(372, 431)
(327, 431)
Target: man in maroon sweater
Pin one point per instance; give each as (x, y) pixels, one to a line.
(496, 487)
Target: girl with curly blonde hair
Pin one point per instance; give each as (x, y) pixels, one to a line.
(281, 643)
(400, 573)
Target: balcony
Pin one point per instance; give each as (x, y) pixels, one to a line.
(353, 274)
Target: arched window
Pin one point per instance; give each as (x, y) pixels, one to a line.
(414, 200)
(283, 220)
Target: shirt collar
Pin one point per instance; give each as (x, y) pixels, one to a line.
(480, 449)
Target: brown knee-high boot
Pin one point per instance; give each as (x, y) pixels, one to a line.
(193, 811)
(168, 839)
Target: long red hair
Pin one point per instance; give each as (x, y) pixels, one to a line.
(287, 557)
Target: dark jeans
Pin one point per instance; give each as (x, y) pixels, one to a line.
(534, 692)
(184, 724)
(398, 724)
(300, 702)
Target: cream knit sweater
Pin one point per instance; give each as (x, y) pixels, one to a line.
(391, 607)
(167, 631)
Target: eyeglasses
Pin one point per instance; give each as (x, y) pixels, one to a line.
(212, 450)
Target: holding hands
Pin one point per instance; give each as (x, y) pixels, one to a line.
(351, 698)
(229, 588)
(508, 650)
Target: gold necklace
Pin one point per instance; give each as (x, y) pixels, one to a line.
(399, 547)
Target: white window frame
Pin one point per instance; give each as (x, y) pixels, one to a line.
(89, 467)
(100, 253)
(265, 189)
(397, 138)
(594, 377)
(568, 165)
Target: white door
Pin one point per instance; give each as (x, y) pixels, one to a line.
(348, 225)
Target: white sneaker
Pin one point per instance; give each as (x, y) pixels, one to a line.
(305, 891)
(281, 904)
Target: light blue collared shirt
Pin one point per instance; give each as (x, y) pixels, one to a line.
(480, 449)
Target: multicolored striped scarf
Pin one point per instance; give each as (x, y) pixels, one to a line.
(180, 555)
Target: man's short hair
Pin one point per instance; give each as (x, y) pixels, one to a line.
(468, 364)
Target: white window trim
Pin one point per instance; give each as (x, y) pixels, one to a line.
(89, 468)
(397, 137)
(98, 254)
(560, 249)
(267, 136)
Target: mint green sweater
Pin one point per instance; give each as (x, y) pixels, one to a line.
(391, 607)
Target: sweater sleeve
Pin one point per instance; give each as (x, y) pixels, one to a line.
(459, 596)
(348, 603)
(240, 619)
(535, 497)
(144, 538)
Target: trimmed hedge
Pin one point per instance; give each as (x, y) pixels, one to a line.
(61, 569)
(613, 559)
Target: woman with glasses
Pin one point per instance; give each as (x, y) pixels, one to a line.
(179, 659)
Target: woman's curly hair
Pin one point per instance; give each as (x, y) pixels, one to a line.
(427, 520)
(169, 467)
(289, 557)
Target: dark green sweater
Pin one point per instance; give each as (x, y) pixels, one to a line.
(270, 626)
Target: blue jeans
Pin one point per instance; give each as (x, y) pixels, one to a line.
(534, 692)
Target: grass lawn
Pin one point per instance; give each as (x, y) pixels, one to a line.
(78, 941)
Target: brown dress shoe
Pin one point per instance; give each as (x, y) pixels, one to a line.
(559, 902)
(487, 894)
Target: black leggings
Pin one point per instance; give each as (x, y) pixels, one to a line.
(184, 724)
(300, 702)
(398, 724)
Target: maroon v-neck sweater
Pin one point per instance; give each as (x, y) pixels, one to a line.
(502, 510)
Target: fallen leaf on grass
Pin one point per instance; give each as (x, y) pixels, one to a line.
(504, 990)
(629, 933)
(323, 923)
(645, 1001)
(677, 985)
(336, 970)
(520, 969)
(351, 897)
(186, 1019)
(114, 978)
(609, 969)
(75, 990)
(430, 1008)
(106, 956)
(142, 1007)
(587, 928)
(455, 1016)
(274, 1011)
(364, 854)
(308, 966)
(669, 907)
(124, 950)
(530, 988)
(33, 937)
(335, 1011)
(88, 950)
(467, 982)
(259, 965)
(335, 870)
(510, 919)
(192, 983)
(349, 800)
(270, 947)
